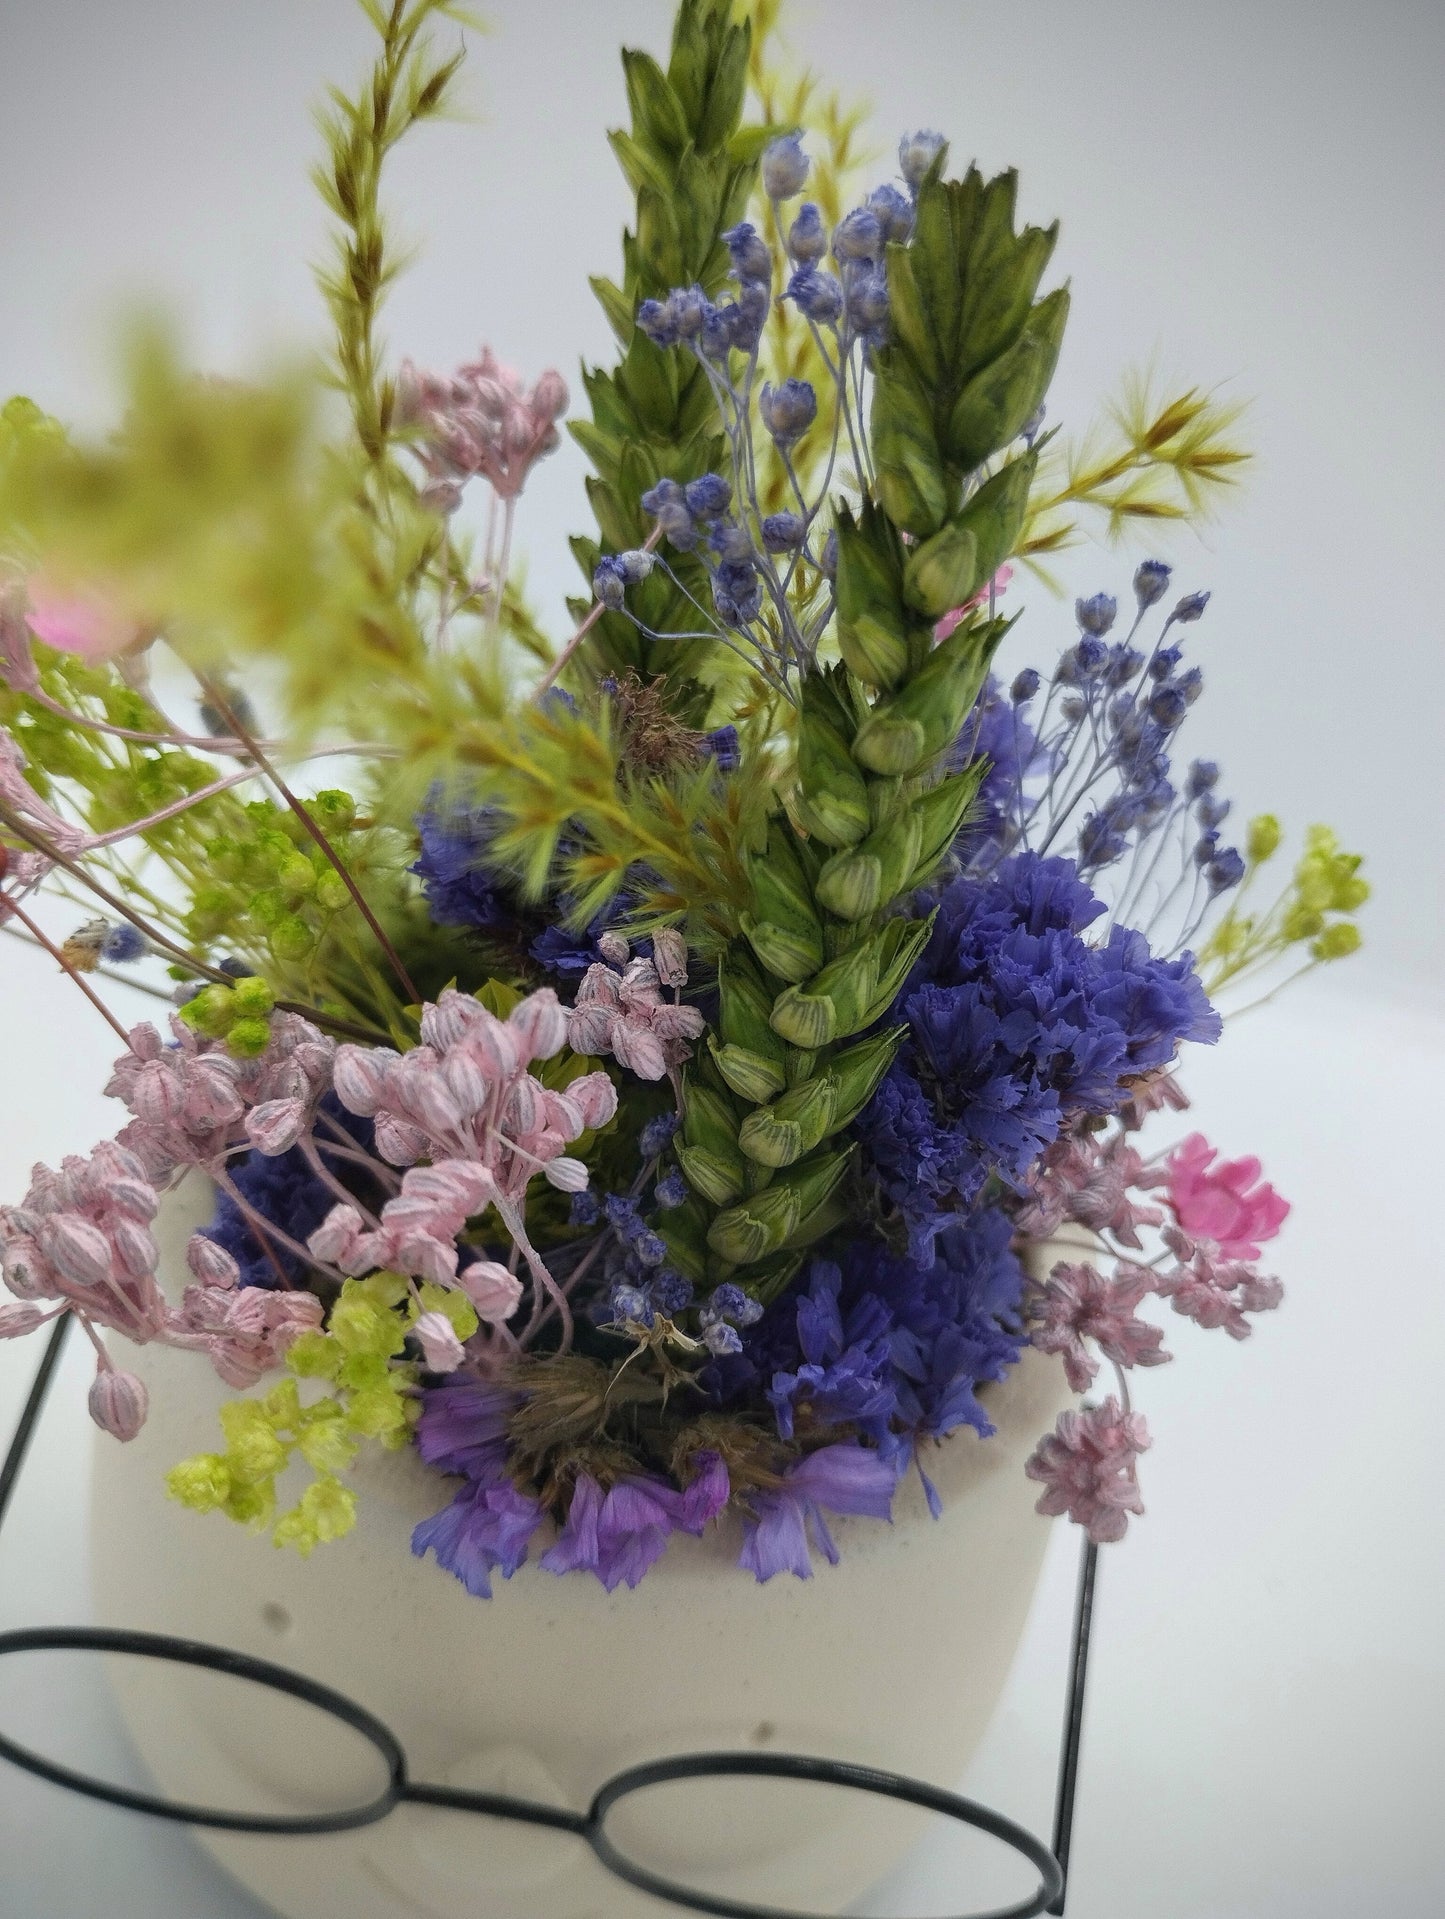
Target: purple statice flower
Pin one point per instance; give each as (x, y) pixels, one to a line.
(489, 1524)
(1015, 1025)
(619, 1534)
(838, 1479)
(487, 1528)
(845, 1372)
(463, 1426)
(459, 889)
(890, 1344)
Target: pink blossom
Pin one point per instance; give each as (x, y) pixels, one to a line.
(438, 1340)
(1087, 1468)
(21, 1316)
(192, 1101)
(493, 1290)
(1226, 1203)
(211, 1264)
(78, 620)
(465, 1101)
(1081, 1178)
(244, 1332)
(483, 420)
(82, 1235)
(1077, 1303)
(17, 793)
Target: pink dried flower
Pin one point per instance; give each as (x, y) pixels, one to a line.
(1151, 1094)
(17, 793)
(1083, 1179)
(22, 1316)
(119, 1403)
(626, 1015)
(1087, 1468)
(211, 1264)
(995, 586)
(192, 1101)
(244, 1332)
(79, 621)
(481, 421)
(1225, 1203)
(465, 1100)
(82, 1235)
(493, 1290)
(1078, 1303)
(438, 1340)
(1214, 1291)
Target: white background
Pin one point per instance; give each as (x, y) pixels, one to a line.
(1251, 198)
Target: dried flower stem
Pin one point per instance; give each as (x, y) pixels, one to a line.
(550, 676)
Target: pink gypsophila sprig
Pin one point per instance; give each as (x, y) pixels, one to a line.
(193, 1102)
(1077, 1303)
(1089, 1181)
(483, 420)
(1087, 1468)
(1215, 1291)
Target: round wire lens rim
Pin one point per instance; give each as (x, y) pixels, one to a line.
(236, 1665)
(828, 1772)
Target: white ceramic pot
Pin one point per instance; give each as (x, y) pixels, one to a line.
(895, 1657)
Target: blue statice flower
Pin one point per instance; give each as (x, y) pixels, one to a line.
(837, 1479)
(459, 888)
(894, 213)
(891, 1345)
(784, 532)
(618, 1534)
(567, 955)
(816, 294)
(285, 1190)
(1015, 1025)
(488, 1526)
(788, 411)
(1151, 583)
(725, 1311)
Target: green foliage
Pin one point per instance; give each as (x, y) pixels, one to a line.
(407, 84)
(691, 165)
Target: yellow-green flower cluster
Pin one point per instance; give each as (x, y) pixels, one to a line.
(366, 1392)
(240, 1015)
(270, 889)
(1316, 910)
